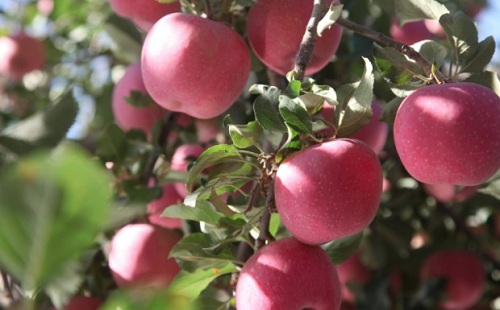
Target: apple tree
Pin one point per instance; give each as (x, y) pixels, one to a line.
(248, 154)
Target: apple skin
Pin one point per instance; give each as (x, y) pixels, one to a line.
(352, 271)
(449, 134)
(139, 256)
(464, 273)
(447, 192)
(328, 191)
(144, 13)
(156, 207)
(275, 29)
(410, 32)
(181, 161)
(194, 65)
(130, 117)
(288, 275)
(81, 302)
(21, 54)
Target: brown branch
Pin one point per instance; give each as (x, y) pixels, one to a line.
(306, 48)
(265, 220)
(388, 42)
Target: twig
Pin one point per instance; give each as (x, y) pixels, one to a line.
(306, 49)
(265, 220)
(388, 42)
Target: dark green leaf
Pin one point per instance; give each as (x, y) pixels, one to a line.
(111, 143)
(410, 10)
(395, 67)
(486, 78)
(266, 110)
(295, 115)
(390, 110)
(137, 191)
(481, 57)
(245, 136)
(462, 34)
(434, 52)
(126, 38)
(139, 99)
(341, 249)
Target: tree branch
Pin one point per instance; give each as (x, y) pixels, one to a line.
(306, 49)
(388, 42)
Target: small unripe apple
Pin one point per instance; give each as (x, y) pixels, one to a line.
(410, 32)
(139, 256)
(144, 13)
(156, 207)
(128, 116)
(449, 134)
(194, 65)
(275, 29)
(21, 54)
(329, 191)
(81, 302)
(288, 274)
(183, 156)
(464, 274)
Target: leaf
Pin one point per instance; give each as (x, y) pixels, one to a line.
(61, 7)
(340, 250)
(486, 78)
(190, 285)
(111, 143)
(266, 110)
(394, 66)
(354, 109)
(330, 17)
(434, 52)
(390, 110)
(245, 136)
(410, 10)
(326, 92)
(137, 191)
(52, 206)
(127, 40)
(295, 115)
(481, 57)
(293, 88)
(154, 300)
(44, 129)
(65, 285)
(492, 188)
(139, 99)
(462, 34)
(203, 212)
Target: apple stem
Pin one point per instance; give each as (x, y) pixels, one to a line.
(399, 46)
(306, 48)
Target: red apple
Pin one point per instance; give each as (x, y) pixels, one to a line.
(329, 191)
(21, 54)
(207, 129)
(449, 134)
(156, 207)
(464, 274)
(181, 159)
(275, 29)
(139, 256)
(355, 272)
(144, 13)
(81, 302)
(128, 116)
(410, 32)
(448, 192)
(288, 274)
(194, 65)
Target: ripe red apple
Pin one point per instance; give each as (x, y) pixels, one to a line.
(181, 159)
(355, 272)
(81, 302)
(194, 65)
(410, 32)
(329, 191)
(139, 256)
(207, 129)
(156, 207)
(21, 54)
(275, 29)
(144, 13)
(128, 116)
(449, 133)
(448, 192)
(288, 274)
(464, 274)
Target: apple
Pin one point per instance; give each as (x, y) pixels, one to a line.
(447, 192)
(21, 54)
(194, 65)
(139, 256)
(328, 191)
(464, 274)
(128, 116)
(275, 29)
(181, 159)
(144, 13)
(355, 272)
(81, 302)
(207, 129)
(449, 134)
(288, 274)
(156, 207)
(410, 32)
(45, 7)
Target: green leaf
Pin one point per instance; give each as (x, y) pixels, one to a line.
(44, 129)
(390, 110)
(340, 250)
(190, 285)
(137, 191)
(139, 99)
(326, 92)
(266, 110)
(245, 136)
(462, 34)
(127, 40)
(52, 206)
(481, 57)
(274, 224)
(486, 78)
(330, 17)
(154, 300)
(394, 66)
(111, 143)
(434, 52)
(354, 109)
(200, 250)
(410, 10)
(293, 88)
(61, 7)
(295, 115)
(16, 147)
(66, 284)
(202, 212)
